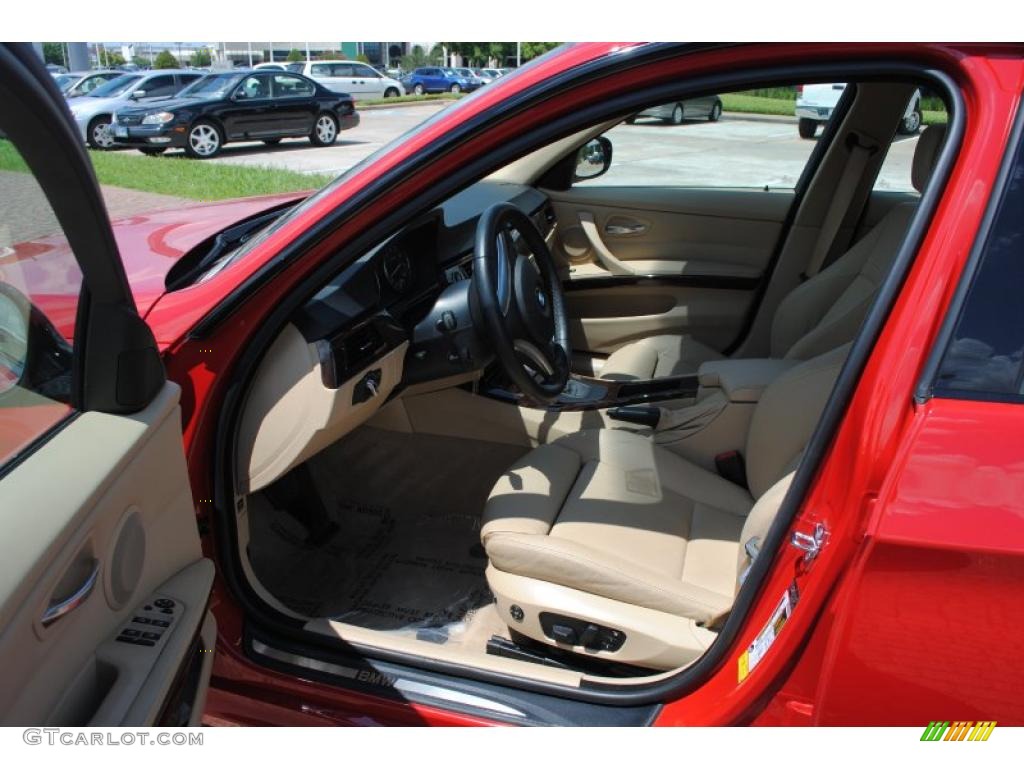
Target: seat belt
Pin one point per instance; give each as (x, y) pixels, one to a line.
(852, 176)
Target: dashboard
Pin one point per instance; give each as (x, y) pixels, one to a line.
(397, 316)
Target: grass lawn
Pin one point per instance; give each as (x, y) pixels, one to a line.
(410, 99)
(181, 176)
(760, 105)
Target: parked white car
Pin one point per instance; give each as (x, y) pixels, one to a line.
(815, 103)
(359, 80)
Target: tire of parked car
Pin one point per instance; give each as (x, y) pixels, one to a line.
(807, 128)
(325, 130)
(677, 115)
(152, 151)
(391, 93)
(204, 140)
(911, 124)
(456, 88)
(716, 112)
(98, 133)
(418, 90)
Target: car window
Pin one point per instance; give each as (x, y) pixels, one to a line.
(253, 87)
(720, 140)
(39, 286)
(361, 70)
(985, 354)
(161, 85)
(894, 175)
(116, 87)
(184, 80)
(341, 70)
(321, 70)
(288, 86)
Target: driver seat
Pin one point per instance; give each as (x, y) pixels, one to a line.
(606, 544)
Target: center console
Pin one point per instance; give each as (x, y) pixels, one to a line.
(586, 394)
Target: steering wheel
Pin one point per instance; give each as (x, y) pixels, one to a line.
(518, 297)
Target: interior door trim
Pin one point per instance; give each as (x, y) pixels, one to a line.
(711, 282)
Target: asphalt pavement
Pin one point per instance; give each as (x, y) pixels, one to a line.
(739, 150)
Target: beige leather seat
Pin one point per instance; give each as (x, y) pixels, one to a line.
(604, 532)
(819, 314)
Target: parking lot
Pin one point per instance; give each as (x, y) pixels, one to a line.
(740, 150)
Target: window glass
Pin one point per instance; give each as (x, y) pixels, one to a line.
(253, 87)
(162, 85)
(924, 109)
(361, 70)
(747, 139)
(986, 350)
(320, 70)
(287, 86)
(341, 70)
(39, 286)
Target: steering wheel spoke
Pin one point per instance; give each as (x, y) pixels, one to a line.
(518, 293)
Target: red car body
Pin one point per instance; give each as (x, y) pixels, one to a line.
(911, 614)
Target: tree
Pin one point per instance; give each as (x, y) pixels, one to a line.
(363, 58)
(415, 58)
(533, 50)
(140, 61)
(296, 55)
(113, 58)
(165, 60)
(201, 58)
(53, 53)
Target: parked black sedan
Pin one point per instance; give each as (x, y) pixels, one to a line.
(236, 106)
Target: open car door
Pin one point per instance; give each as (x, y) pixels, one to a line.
(103, 586)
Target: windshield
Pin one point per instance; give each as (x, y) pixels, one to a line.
(211, 85)
(355, 170)
(63, 81)
(116, 87)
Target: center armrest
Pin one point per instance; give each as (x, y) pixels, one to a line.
(742, 381)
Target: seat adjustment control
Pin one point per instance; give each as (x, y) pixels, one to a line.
(577, 632)
(563, 634)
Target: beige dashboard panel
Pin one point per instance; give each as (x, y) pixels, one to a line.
(290, 415)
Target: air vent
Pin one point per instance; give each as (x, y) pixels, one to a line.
(360, 348)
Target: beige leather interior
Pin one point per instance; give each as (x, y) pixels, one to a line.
(817, 315)
(609, 513)
(290, 415)
(669, 232)
(107, 495)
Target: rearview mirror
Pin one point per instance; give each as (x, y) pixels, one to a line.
(593, 159)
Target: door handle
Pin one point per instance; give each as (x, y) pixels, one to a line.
(624, 229)
(60, 608)
(604, 257)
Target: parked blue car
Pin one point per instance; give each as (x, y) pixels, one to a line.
(438, 80)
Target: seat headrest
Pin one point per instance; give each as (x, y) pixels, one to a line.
(925, 155)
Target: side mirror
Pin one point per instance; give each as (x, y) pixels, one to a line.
(33, 355)
(138, 94)
(593, 159)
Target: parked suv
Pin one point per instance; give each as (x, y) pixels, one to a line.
(438, 80)
(814, 105)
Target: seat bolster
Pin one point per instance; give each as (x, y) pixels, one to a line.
(527, 498)
(657, 357)
(565, 562)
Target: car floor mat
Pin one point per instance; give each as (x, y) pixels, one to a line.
(406, 555)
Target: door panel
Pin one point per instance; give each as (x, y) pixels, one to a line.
(113, 492)
(103, 586)
(651, 260)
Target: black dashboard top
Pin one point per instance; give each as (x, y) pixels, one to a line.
(405, 274)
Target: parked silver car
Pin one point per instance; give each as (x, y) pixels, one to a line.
(675, 112)
(93, 113)
(83, 83)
